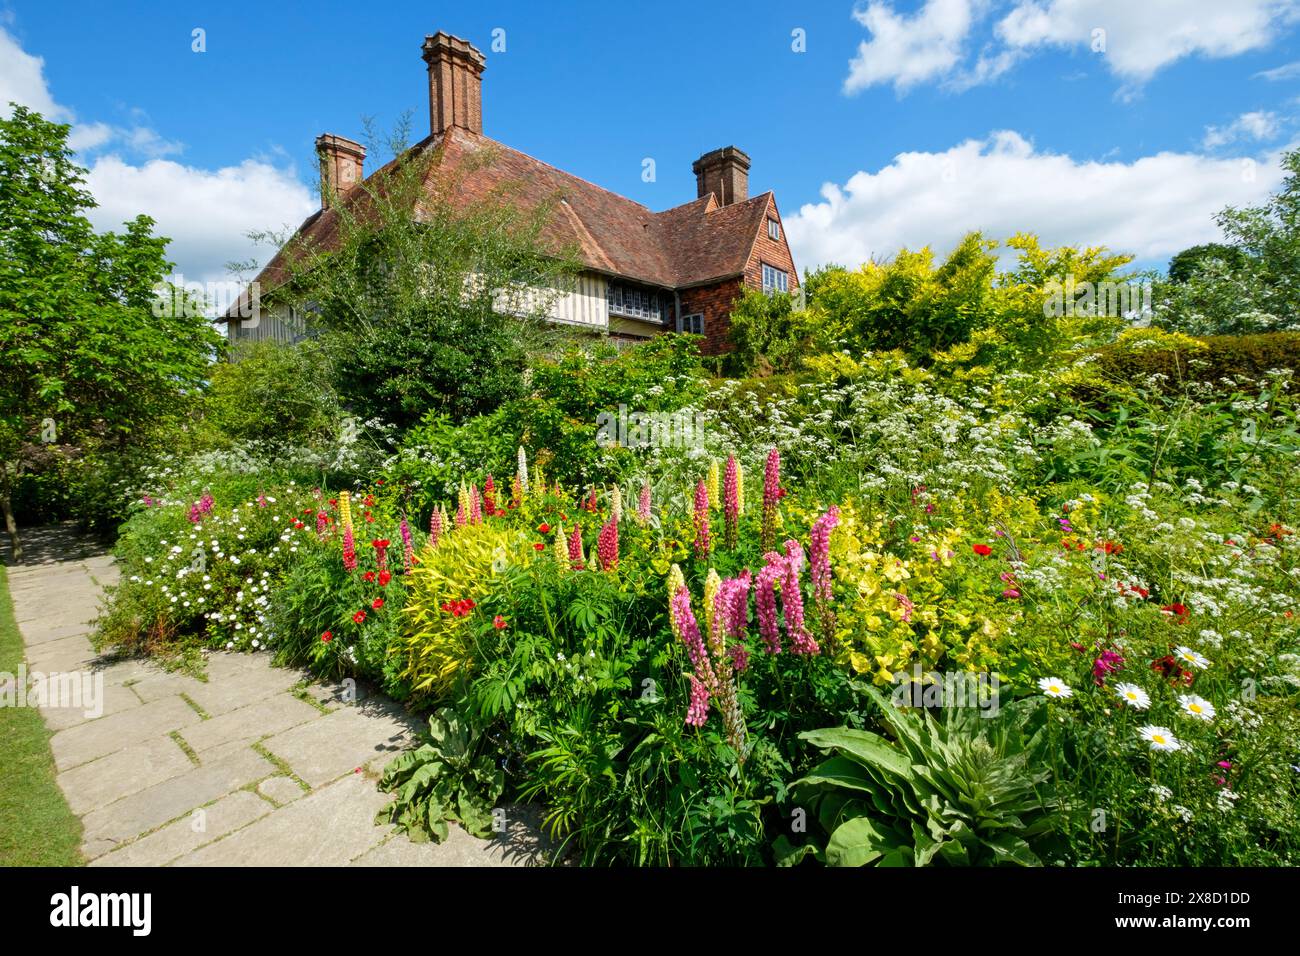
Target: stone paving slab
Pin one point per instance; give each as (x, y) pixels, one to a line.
(86, 742)
(141, 812)
(101, 782)
(190, 832)
(162, 684)
(256, 684)
(113, 699)
(70, 653)
(270, 716)
(43, 634)
(280, 790)
(328, 828)
(339, 743)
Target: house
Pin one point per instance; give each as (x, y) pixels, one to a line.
(642, 272)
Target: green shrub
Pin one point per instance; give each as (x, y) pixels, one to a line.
(273, 393)
(1212, 359)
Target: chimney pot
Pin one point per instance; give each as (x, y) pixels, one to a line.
(723, 172)
(455, 83)
(341, 166)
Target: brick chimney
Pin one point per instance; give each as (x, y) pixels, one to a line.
(455, 83)
(341, 162)
(723, 172)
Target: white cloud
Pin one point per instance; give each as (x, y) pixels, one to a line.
(1142, 36)
(206, 213)
(1151, 207)
(22, 81)
(1287, 71)
(1260, 126)
(1134, 38)
(905, 51)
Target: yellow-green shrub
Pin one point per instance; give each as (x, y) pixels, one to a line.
(435, 643)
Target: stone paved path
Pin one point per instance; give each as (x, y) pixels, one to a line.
(256, 766)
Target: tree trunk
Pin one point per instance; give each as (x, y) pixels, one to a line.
(11, 526)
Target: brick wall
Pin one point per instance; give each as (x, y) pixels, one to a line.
(774, 252)
(714, 303)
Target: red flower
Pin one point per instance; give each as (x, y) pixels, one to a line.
(359, 616)
(983, 550)
(368, 576)
(327, 637)
(538, 546)
(377, 603)
(379, 543)
(1178, 611)
(384, 577)
(543, 528)
(369, 517)
(498, 622)
(379, 481)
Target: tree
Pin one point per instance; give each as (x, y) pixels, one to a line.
(1186, 264)
(1253, 284)
(425, 303)
(87, 362)
(911, 303)
(274, 394)
(770, 334)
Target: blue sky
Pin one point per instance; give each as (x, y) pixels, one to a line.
(898, 123)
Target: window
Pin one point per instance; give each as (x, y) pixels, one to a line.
(774, 280)
(773, 229)
(624, 300)
(693, 324)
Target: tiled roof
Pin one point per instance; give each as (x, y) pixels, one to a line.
(687, 245)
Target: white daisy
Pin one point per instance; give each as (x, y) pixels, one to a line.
(1159, 737)
(1197, 707)
(1133, 695)
(1055, 687)
(1189, 656)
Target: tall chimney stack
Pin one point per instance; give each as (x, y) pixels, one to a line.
(723, 172)
(341, 162)
(455, 83)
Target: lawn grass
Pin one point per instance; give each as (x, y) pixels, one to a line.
(36, 826)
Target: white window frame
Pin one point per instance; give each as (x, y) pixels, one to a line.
(693, 323)
(773, 230)
(775, 280)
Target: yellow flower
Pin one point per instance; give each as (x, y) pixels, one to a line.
(712, 583)
(345, 510)
(711, 484)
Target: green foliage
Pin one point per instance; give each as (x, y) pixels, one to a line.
(273, 393)
(422, 313)
(1252, 285)
(1210, 360)
(88, 366)
(964, 790)
(1183, 266)
(770, 334)
(446, 778)
(569, 394)
(966, 303)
